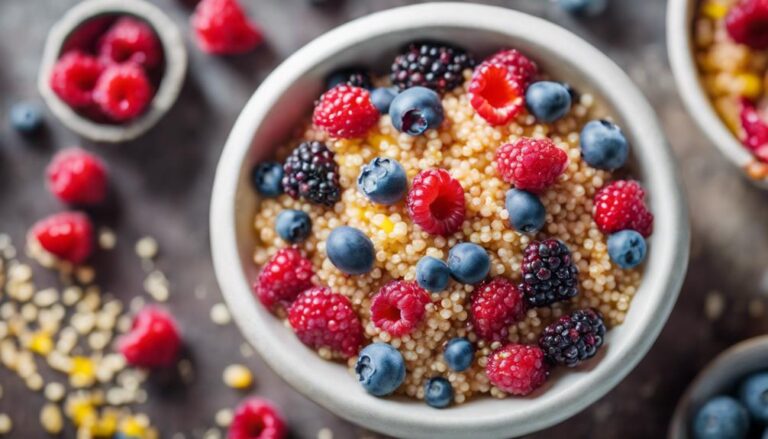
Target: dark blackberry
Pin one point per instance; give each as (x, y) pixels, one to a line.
(355, 76)
(574, 338)
(312, 173)
(549, 274)
(430, 64)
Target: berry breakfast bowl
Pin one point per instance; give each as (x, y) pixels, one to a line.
(468, 347)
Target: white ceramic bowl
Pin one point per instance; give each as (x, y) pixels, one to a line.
(287, 95)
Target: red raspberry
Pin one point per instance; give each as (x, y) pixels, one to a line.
(436, 202)
(222, 28)
(345, 111)
(130, 40)
(496, 93)
(153, 341)
(518, 64)
(68, 236)
(322, 318)
(531, 164)
(77, 177)
(87, 34)
(517, 369)
(747, 23)
(74, 78)
(621, 205)
(123, 92)
(284, 277)
(755, 128)
(496, 304)
(257, 418)
(399, 307)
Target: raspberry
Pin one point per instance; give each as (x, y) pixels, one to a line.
(257, 418)
(496, 304)
(747, 23)
(518, 64)
(77, 177)
(284, 277)
(429, 64)
(345, 111)
(74, 78)
(399, 307)
(324, 319)
(68, 236)
(123, 92)
(517, 369)
(130, 40)
(496, 94)
(222, 28)
(755, 128)
(549, 274)
(621, 205)
(311, 172)
(436, 202)
(573, 338)
(531, 164)
(153, 341)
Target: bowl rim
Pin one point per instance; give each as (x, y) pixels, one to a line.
(671, 249)
(174, 51)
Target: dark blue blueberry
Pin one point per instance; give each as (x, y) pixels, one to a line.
(603, 145)
(469, 263)
(267, 179)
(721, 418)
(416, 110)
(526, 212)
(438, 392)
(382, 98)
(627, 248)
(548, 101)
(383, 181)
(350, 250)
(432, 274)
(754, 396)
(355, 76)
(380, 369)
(459, 354)
(584, 7)
(26, 117)
(293, 225)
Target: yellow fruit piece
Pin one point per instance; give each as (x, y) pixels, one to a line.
(751, 85)
(40, 343)
(378, 140)
(387, 225)
(714, 10)
(82, 412)
(131, 427)
(83, 372)
(106, 425)
(238, 376)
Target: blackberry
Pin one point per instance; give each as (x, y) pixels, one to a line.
(430, 64)
(573, 338)
(354, 76)
(549, 274)
(312, 173)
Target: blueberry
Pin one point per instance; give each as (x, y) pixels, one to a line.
(603, 145)
(627, 248)
(584, 7)
(26, 117)
(721, 418)
(267, 179)
(350, 250)
(548, 101)
(380, 369)
(469, 263)
(438, 392)
(459, 354)
(526, 212)
(754, 396)
(382, 98)
(383, 181)
(432, 274)
(293, 225)
(416, 110)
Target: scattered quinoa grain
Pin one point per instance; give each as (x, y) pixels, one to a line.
(237, 376)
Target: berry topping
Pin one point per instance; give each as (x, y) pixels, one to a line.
(430, 64)
(621, 205)
(603, 145)
(324, 319)
(131, 40)
(311, 172)
(267, 179)
(354, 76)
(382, 98)
(548, 101)
(469, 263)
(496, 93)
(583, 7)
(350, 250)
(438, 392)
(627, 248)
(123, 92)
(549, 274)
(416, 110)
(526, 212)
(68, 236)
(432, 274)
(345, 112)
(753, 392)
(399, 307)
(153, 341)
(747, 23)
(517, 369)
(521, 67)
(531, 164)
(721, 417)
(436, 202)
(755, 130)
(458, 354)
(283, 278)
(496, 304)
(222, 28)
(574, 338)
(383, 181)
(257, 418)
(293, 225)
(74, 78)
(380, 369)
(77, 177)
(26, 117)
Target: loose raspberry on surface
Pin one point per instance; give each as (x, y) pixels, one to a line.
(549, 274)
(621, 205)
(77, 177)
(518, 64)
(154, 340)
(284, 277)
(496, 304)
(131, 40)
(747, 23)
(74, 77)
(496, 94)
(434, 65)
(67, 236)
(257, 418)
(574, 338)
(311, 172)
(517, 369)
(345, 111)
(399, 307)
(436, 202)
(324, 319)
(755, 130)
(123, 92)
(531, 164)
(222, 28)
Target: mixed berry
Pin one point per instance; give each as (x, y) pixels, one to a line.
(743, 415)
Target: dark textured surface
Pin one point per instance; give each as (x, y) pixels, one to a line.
(162, 188)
